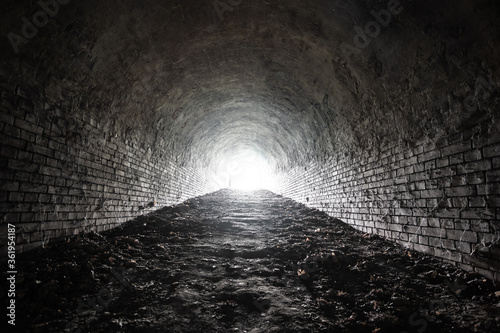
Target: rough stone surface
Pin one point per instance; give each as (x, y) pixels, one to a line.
(102, 102)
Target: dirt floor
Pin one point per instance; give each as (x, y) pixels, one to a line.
(245, 262)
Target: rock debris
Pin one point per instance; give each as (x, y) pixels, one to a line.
(246, 262)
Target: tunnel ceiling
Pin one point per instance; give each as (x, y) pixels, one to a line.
(181, 78)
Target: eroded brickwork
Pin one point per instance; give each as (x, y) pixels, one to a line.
(441, 196)
(60, 178)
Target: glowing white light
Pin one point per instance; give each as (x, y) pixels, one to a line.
(247, 171)
(245, 176)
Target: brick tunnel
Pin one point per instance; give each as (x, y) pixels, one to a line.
(379, 116)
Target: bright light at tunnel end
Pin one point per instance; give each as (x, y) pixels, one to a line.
(248, 178)
(246, 170)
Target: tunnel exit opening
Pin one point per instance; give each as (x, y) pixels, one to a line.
(245, 175)
(245, 169)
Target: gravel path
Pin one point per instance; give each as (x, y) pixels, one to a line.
(246, 262)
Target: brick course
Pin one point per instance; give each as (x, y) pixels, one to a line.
(56, 186)
(443, 197)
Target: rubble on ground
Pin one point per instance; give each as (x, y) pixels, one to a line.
(246, 262)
